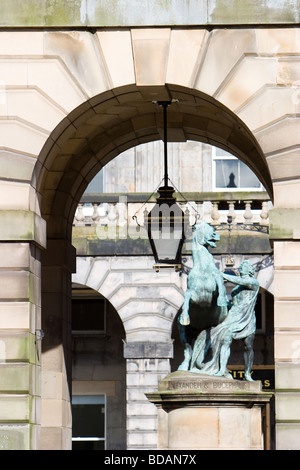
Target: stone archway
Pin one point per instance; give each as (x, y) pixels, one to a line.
(97, 131)
(93, 134)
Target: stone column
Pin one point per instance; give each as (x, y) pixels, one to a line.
(58, 262)
(287, 343)
(147, 364)
(22, 234)
(285, 231)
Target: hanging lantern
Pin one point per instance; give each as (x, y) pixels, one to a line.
(166, 223)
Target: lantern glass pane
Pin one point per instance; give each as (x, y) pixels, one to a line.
(166, 230)
(166, 249)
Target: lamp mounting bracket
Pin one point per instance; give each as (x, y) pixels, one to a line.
(164, 103)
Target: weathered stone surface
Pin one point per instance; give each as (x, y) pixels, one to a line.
(79, 53)
(236, 43)
(288, 406)
(22, 226)
(44, 169)
(148, 350)
(152, 49)
(115, 13)
(284, 224)
(110, 42)
(287, 374)
(287, 436)
(16, 436)
(207, 412)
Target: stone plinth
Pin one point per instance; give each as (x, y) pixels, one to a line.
(198, 411)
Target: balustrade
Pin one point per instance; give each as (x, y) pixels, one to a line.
(122, 211)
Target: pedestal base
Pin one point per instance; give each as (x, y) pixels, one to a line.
(198, 411)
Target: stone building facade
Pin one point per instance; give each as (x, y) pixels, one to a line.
(79, 82)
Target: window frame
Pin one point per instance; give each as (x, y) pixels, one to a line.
(228, 156)
(91, 400)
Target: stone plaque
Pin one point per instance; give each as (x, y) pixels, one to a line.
(182, 382)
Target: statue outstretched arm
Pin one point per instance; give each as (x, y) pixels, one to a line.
(247, 281)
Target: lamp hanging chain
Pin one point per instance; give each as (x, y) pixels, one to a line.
(165, 104)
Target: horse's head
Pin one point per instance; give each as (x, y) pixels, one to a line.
(205, 234)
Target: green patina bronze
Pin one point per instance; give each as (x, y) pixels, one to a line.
(209, 322)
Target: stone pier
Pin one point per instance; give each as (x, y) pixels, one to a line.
(202, 412)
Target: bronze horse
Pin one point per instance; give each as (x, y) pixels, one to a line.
(205, 301)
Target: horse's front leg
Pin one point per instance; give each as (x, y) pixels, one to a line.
(187, 357)
(185, 338)
(184, 318)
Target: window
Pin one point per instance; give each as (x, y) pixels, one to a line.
(88, 315)
(88, 414)
(231, 173)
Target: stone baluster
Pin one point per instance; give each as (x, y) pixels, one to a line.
(95, 215)
(122, 211)
(231, 211)
(184, 208)
(200, 211)
(122, 215)
(112, 215)
(215, 215)
(248, 212)
(145, 215)
(194, 213)
(188, 216)
(264, 213)
(103, 211)
(80, 215)
(188, 213)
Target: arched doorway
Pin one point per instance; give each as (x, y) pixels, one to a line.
(92, 135)
(98, 373)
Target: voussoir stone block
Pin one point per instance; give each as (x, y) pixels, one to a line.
(285, 164)
(121, 67)
(250, 75)
(80, 52)
(186, 48)
(216, 65)
(150, 51)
